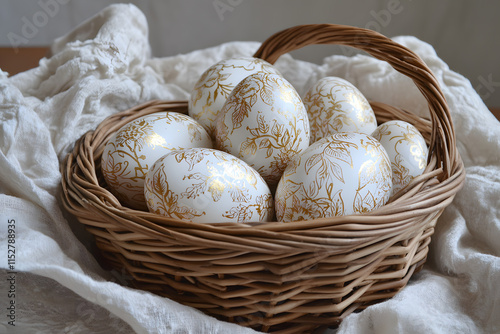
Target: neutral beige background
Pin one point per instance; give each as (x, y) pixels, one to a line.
(464, 33)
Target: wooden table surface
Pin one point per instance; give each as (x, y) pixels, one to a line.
(22, 59)
(15, 61)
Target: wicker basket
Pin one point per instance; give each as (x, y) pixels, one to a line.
(278, 277)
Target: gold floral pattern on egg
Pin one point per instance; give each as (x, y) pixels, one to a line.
(311, 206)
(123, 176)
(375, 171)
(216, 83)
(407, 151)
(215, 183)
(129, 154)
(217, 178)
(342, 174)
(134, 133)
(116, 175)
(164, 200)
(326, 166)
(271, 137)
(330, 158)
(243, 213)
(335, 105)
(264, 123)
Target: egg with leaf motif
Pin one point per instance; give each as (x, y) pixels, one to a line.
(406, 148)
(207, 186)
(217, 82)
(132, 150)
(341, 174)
(335, 105)
(264, 123)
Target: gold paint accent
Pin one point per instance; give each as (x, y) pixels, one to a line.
(330, 112)
(154, 140)
(400, 174)
(286, 94)
(218, 178)
(364, 204)
(378, 173)
(128, 142)
(218, 76)
(354, 100)
(243, 213)
(134, 134)
(225, 176)
(216, 186)
(308, 205)
(276, 140)
(279, 142)
(418, 151)
(327, 166)
(160, 196)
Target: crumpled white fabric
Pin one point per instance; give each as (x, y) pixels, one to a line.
(105, 66)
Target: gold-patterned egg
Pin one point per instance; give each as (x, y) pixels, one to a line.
(216, 83)
(264, 123)
(407, 151)
(342, 174)
(207, 186)
(335, 105)
(133, 149)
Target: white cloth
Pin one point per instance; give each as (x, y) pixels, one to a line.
(105, 66)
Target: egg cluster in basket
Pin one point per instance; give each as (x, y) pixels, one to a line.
(252, 150)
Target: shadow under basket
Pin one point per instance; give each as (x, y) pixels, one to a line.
(278, 277)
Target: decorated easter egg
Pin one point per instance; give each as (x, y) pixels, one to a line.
(335, 105)
(216, 83)
(207, 186)
(407, 151)
(342, 174)
(264, 123)
(133, 149)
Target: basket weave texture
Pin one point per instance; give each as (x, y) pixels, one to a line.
(278, 277)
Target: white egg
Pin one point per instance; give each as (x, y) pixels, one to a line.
(207, 186)
(264, 123)
(342, 174)
(216, 83)
(133, 149)
(407, 151)
(335, 105)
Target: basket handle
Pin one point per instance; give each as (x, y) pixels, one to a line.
(403, 60)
